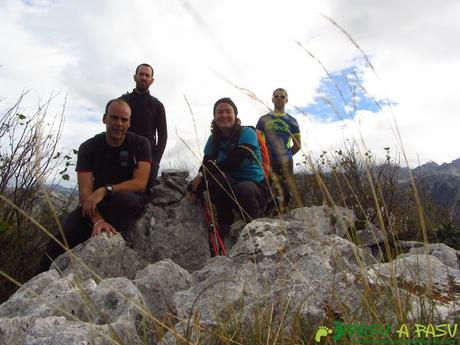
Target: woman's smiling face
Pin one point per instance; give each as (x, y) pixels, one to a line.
(224, 116)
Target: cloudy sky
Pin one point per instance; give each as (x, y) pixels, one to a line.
(358, 70)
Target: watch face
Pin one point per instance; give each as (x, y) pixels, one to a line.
(109, 188)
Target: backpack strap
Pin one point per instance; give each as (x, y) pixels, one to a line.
(265, 164)
(126, 97)
(103, 159)
(99, 160)
(233, 142)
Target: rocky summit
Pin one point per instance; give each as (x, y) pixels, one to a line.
(159, 285)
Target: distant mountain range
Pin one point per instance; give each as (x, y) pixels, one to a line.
(452, 168)
(60, 197)
(441, 183)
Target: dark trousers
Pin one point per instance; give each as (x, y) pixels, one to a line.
(284, 172)
(118, 210)
(251, 197)
(154, 172)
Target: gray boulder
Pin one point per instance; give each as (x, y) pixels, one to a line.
(175, 232)
(60, 331)
(47, 294)
(325, 220)
(445, 254)
(418, 272)
(171, 227)
(106, 256)
(372, 239)
(304, 265)
(158, 282)
(424, 282)
(286, 264)
(369, 236)
(407, 245)
(300, 269)
(53, 310)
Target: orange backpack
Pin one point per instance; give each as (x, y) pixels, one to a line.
(263, 152)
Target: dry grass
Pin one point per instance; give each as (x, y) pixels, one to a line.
(350, 177)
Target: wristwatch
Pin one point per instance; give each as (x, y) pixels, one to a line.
(109, 189)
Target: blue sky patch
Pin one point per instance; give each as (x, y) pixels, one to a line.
(341, 95)
(91, 115)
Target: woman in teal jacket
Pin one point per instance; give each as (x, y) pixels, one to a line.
(231, 169)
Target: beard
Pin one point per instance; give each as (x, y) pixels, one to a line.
(142, 86)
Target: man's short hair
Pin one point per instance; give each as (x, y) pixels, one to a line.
(144, 65)
(115, 100)
(280, 89)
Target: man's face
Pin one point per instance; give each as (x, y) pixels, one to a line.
(143, 78)
(279, 99)
(117, 121)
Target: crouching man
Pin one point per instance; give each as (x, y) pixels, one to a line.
(113, 169)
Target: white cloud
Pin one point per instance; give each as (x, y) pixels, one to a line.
(90, 49)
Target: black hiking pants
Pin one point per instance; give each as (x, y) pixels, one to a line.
(119, 210)
(250, 198)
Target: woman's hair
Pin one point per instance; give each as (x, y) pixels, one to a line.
(217, 134)
(227, 100)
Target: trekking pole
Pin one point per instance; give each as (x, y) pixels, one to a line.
(215, 242)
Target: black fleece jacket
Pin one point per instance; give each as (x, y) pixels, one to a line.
(148, 119)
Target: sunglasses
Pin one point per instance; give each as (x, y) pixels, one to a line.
(279, 96)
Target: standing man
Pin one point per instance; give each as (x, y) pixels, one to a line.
(113, 169)
(148, 116)
(282, 135)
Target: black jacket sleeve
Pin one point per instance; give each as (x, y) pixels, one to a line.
(162, 131)
(234, 158)
(232, 162)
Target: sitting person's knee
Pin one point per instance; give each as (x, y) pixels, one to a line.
(246, 190)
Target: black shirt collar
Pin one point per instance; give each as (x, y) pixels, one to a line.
(137, 92)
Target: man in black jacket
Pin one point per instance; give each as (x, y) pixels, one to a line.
(148, 115)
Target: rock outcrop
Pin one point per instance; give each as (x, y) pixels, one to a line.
(55, 310)
(171, 226)
(101, 259)
(299, 267)
(161, 285)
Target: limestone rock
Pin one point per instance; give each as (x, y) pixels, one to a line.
(369, 236)
(107, 256)
(303, 265)
(176, 179)
(164, 196)
(325, 220)
(59, 331)
(158, 282)
(445, 254)
(171, 227)
(407, 245)
(273, 262)
(175, 232)
(303, 268)
(176, 173)
(419, 272)
(53, 310)
(62, 294)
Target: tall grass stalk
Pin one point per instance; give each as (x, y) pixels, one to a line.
(268, 326)
(76, 260)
